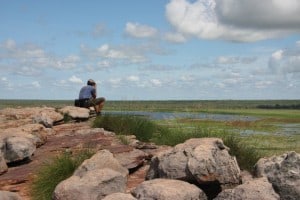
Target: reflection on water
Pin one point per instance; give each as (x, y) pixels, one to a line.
(172, 115)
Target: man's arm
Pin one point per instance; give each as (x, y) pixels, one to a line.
(93, 92)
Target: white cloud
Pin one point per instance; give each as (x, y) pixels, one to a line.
(285, 61)
(235, 60)
(175, 37)
(243, 20)
(31, 60)
(122, 54)
(257, 14)
(133, 78)
(155, 82)
(74, 79)
(140, 31)
(36, 84)
(263, 84)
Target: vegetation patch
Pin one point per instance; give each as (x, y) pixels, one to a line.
(55, 171)
(139, 126)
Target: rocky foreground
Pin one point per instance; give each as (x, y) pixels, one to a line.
(195, 169)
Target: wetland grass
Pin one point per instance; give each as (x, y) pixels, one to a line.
(55, 171)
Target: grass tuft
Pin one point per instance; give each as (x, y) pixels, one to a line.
(139, 126)
(55, 171)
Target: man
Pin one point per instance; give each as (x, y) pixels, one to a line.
(87, 97)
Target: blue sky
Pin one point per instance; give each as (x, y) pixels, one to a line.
(150, 50)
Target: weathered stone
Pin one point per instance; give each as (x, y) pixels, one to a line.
(252, 190)
(3, 165)
(93, 185)
(119, 196)
(102, 159)
(76, 112)
(21, 116)
(18, 148)
(204, 160)
(5, 195)
(283, 172)
(165, 189)
(36, 133)
(131, 159)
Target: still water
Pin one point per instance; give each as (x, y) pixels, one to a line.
(172, 115)
(288, 129)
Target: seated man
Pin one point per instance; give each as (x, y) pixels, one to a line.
(87, 97)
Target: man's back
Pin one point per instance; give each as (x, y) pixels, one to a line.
(86, 92)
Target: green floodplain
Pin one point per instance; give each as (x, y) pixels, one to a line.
(275, 130)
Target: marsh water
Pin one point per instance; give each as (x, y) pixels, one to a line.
(283, 128)
(178, 115)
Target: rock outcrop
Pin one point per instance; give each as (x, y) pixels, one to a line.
(165, 189)
(94, 179)
(195, 169)
(251, 190)
(204, 161)
(5, 195)
(283, 172)
(76, 112)
(119, 196)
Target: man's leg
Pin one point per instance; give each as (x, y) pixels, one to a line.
(100, 104)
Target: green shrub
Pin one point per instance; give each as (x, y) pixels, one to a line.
(141, 127)
(55, 171)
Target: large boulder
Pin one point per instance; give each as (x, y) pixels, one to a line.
(36, 133)
(18, 149)
(204, 160)
(119, 196)
(5, 195)
(3, 165)
(131, 159)
(165, 189)
(93, 185)
(283, 172)
(251, 190)
(75, 112)
(95, 178)
(102, 159)
(20, 116)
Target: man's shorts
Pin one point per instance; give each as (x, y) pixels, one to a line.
(88, 102)
(94, 102)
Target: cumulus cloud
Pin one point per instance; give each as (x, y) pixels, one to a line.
(156, 82)
(140, 31)
(115, 54)
(36, 84)
(75, 79)
(133, 78)
(285, 61)
(257, 14)
(30, 60)
(235, 60)
(175, 37)
(242, 21)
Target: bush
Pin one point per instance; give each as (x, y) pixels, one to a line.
(55, 171)
(141, 127)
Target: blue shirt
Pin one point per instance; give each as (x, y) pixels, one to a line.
(87, 92)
